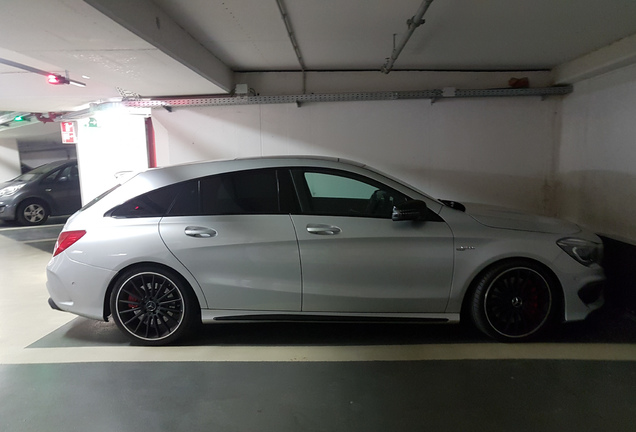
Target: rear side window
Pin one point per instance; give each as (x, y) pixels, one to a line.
(243, 192)
(155, 203)
(247, 192)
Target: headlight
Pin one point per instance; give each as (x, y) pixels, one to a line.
(10, 190)
(584, 251)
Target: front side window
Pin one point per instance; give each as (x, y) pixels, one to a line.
(328, 192)
(51, 177)
(68, 174)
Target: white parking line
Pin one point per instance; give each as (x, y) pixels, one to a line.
(38, 240)
(29, 227)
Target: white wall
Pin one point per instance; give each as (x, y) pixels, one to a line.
(117, 144)
(597, 155)
(9, 159)
(497, 151)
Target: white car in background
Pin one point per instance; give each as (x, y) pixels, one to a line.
(313, 239)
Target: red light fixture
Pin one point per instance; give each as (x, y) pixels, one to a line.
(56, 79)
(66, 240)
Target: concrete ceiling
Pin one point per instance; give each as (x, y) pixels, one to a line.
(185, 47)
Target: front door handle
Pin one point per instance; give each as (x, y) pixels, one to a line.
(200, 232)
(320, 229)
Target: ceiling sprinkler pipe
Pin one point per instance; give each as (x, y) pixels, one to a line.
(292, 38)
(413, 23)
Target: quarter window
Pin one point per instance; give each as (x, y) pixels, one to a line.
(152, 204)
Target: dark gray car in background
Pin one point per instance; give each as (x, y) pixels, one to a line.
(49, 190)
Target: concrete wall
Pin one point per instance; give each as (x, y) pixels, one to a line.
(597, 154)
(497, 151)
(35, 158)
(9, 159)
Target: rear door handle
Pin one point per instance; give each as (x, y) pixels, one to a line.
(200, 232)
(321, 229)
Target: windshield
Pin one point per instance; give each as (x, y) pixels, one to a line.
(37, 171)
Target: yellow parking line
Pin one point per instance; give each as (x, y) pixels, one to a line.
(396, 353)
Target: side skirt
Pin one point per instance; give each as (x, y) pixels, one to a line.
(216, 316)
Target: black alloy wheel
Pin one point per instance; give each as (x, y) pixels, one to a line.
(32, 212)
(152, 306)
(514, 301)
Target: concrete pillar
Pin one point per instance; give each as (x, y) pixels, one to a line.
(9, 159)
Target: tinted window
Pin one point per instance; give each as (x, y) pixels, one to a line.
(246, 192)
(152, 204)
(187, 202)
(343, 194)
(243, 192)
(51, 177)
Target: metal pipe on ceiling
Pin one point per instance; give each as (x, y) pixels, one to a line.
(294, 42)
(434, 94)
(412, 23)
(212, 100)
(63, 79)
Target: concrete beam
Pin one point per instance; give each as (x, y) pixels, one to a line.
(149, 22)
(617, 55)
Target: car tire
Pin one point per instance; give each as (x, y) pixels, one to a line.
(515, 301)
(32, 212)
(153, 306)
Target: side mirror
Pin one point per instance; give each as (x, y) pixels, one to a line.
(414, 210)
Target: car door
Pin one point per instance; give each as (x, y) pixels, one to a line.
(62, 190)
(231, 233)
(356, 259)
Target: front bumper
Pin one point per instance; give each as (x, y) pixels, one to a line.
(582, 287)
(7, 211)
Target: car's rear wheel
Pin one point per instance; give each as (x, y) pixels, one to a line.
(152, 305)
(514, 301)
(32, 212)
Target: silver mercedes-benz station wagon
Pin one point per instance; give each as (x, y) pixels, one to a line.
(305, 238)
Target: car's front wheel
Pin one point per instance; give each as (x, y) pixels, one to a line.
(514, 301)
(32, 212)
(152, 305)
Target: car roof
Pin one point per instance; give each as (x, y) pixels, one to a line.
(186, 171)
(56, 164)
(267, 160)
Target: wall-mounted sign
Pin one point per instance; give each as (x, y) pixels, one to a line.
(69, 132)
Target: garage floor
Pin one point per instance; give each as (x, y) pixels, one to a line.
(59, 372)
